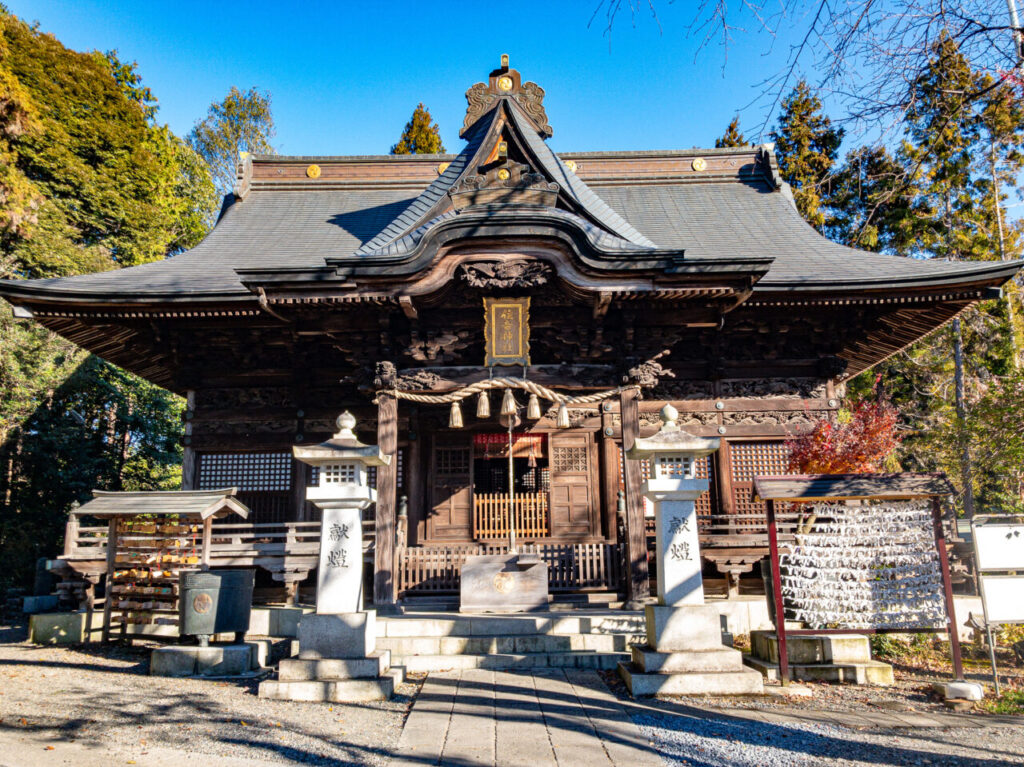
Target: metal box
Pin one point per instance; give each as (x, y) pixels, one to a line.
(215, 602)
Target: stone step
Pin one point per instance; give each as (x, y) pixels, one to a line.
(812, 648)
(505, 625)
(584, 660)
(861, 672)
(742, 682)
(329, 669)
(514, 644)
(330, 691)
(650, 662)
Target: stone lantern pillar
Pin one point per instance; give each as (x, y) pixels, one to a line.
(684, 654)
(673, 489)
(342, 493)
(338, 660)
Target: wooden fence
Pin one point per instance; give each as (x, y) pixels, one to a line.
(491, 517)
(571, 566)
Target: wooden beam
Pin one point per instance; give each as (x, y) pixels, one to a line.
(384, 550)
(638, 587)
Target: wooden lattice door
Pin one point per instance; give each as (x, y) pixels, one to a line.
(573, 494)
(451, 494)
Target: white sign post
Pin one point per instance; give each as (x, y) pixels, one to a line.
(999, 558)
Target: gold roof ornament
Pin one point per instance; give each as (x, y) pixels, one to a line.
(313, 171)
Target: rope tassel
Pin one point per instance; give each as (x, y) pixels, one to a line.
(508, 403)
(563, 417)
(455, 417)
(533, 408)
(483, 405)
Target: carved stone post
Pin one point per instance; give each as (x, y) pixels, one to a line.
(638, 587)
(387, 490)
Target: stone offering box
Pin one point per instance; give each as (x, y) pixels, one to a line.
(504, 583)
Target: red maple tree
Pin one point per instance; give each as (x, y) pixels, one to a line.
(858, 444)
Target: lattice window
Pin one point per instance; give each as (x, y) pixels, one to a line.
(452, 460)
(755, 459)
(340, 473)
(246, 471)
(371, 473)
(573, 459)
(675, 467)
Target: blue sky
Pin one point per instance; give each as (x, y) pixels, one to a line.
(345, 76)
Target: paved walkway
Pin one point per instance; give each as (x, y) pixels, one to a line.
(554, 718)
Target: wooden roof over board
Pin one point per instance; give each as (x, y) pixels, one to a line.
(844, 487)
(203, 504)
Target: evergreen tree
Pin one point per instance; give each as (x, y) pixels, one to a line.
(807, 145)
(870, 204)
(732, 135)
(88, 181)
(421, 134)
(242, 122)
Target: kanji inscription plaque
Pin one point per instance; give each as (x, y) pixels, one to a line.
(507, 331)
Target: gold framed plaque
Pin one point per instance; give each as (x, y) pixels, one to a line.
(507, 331)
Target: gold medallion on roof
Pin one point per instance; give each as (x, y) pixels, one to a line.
(698, 164)
(313, 171)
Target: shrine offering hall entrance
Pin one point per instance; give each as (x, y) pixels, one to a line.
(553, 478)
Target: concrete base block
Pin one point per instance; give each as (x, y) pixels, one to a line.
(741, 682)
(330, 691)
(32, 605)
(804, 649)
(223, 660)
(720, 659)
(683, 628)
(338, 635)
(276, 621)
(959, 690)
(298, 670)
(57, 628)
(261, 649)
(865, 672)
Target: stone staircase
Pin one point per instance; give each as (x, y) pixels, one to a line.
(592, 638)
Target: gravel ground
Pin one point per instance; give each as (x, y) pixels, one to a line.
(685, 732)
(725, 742)
(103, 699)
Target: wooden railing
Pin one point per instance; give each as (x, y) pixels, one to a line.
(491, 517)
(571, 566)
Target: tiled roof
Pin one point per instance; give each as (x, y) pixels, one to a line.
(300, 224)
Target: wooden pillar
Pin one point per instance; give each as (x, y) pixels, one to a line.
(414, 480)
(609, 479)
(638, 586)
(188, 458)
(387, 476)
(108, 599)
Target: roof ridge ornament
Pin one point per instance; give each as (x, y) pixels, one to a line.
(506, 83)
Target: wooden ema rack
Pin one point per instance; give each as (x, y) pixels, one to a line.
(148, 560)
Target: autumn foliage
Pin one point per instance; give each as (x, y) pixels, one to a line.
(858, 443)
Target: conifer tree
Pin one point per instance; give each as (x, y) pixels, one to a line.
(421, 134)
(242, 122)
(732, 136)
(807, 145)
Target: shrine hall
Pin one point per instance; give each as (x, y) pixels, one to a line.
(503, 322)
